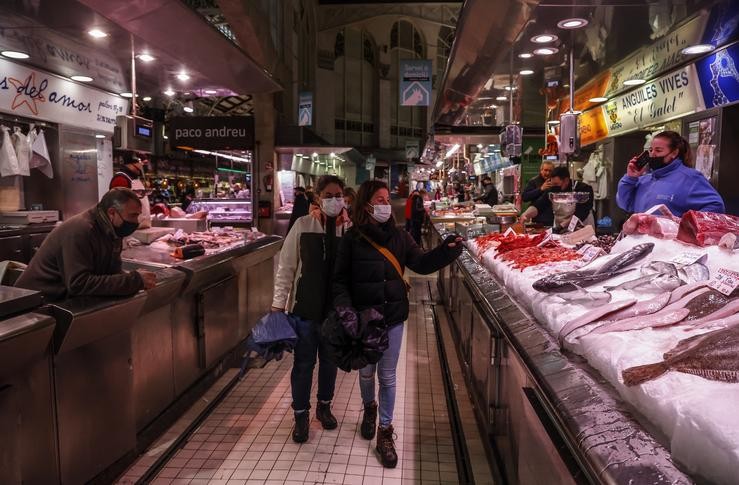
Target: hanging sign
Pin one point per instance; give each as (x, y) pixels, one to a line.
(35, 94)
(415, 82)
(657, 57)
(719, 76)
(212, 132)
(671, 96)
(305, 109)
(592, 126)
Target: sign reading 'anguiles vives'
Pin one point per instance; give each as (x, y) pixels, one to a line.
(32, 93)
(212, 132)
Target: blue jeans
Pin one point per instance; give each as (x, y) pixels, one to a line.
(308, 345)
(385, 370)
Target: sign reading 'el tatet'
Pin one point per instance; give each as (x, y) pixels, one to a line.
(212, 132)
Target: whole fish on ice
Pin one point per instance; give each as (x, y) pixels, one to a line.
(713, 356)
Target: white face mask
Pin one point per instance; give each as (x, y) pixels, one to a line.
(332, 207)
(381, 212)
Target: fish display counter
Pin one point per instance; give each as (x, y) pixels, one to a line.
(610, 361)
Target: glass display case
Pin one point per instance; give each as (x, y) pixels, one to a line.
(225, 212)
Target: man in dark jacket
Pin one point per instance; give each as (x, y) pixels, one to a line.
(561, 182)
(83, 255)
(540, 184)
(300, 207)
(490, 193)
(418, 215)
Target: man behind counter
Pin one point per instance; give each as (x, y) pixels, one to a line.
(541, 209)
(82, 256)
(539, 184)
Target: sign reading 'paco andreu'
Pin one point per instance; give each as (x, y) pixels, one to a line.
(212, 132)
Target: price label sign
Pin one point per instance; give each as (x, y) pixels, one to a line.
(725, 281)
(546, 239)
(589, 252)
(688, 257)
(573, 224)
(509, 232)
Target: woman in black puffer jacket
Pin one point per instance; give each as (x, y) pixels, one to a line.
(364, 278)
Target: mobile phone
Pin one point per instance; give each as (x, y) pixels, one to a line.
(643, 160)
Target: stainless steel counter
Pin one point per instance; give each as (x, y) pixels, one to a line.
(549, 416)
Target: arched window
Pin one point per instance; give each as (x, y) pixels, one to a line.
(407, 122)
(356, 85)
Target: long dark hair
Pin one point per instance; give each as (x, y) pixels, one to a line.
(367, 190)
(678, 143)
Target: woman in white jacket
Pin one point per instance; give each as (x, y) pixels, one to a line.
(303, 288)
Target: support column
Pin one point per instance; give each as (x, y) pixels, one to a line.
(265, 118)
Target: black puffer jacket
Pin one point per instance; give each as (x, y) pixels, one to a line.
(364, 278)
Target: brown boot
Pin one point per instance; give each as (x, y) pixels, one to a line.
(386, 447)
(369, 420)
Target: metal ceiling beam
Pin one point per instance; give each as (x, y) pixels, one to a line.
(334, 17)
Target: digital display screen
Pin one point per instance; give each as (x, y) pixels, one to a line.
(143, 131)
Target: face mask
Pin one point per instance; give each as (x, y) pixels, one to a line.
(656, 163)
(381, 212)
(332, 207)
(126, 228)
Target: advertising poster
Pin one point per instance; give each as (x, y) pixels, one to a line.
(305, 109)
(415, 82)
(719, 76)
(702, 140)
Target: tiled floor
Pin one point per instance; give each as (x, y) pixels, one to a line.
(247, 439)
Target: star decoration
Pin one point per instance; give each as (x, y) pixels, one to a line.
(22, 98)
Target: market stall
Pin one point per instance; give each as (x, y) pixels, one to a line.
(523, 320)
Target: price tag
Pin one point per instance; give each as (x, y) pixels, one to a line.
(687, 257)
(546, 239)
(589, 252)
(509, 231)
(725, 281)
(573, 224)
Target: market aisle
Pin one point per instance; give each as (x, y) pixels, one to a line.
(247, 439)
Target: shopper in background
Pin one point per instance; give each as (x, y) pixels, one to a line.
(540, 184)
(300, 206)
(82, 256)
(418, 215)
(350, 195)
(490, 193)
(409, 209)
(303, 287)
(667, 180)
(367, 278)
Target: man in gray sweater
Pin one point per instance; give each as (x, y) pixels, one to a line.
(82, 256)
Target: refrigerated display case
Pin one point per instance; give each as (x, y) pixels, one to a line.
(226, 212)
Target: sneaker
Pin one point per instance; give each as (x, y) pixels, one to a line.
(369, 420)
(323, 414)
(302, 427)
(386, 447)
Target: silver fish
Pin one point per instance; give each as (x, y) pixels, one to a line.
(652, 321)
(592, 316)
(694, 273)
(583, 297)
(659, 267)
(626, 258)
(652, 283)
(713, 356)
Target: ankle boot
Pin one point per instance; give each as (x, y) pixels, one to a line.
(369, 420)
(302, 427)
(323, 413)
(386, 447)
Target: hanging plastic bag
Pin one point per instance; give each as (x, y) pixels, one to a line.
(354, 341)
(8, 161)
(40, 155)
(22, 151)
(273, 335)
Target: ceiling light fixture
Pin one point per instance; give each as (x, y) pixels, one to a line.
(169, 92)
(544, 38)
(510, 88)
(97, 33)
(574, 23)
(147, 98)
(526, 55)
(553, 122)
(526, 72)
(126, 95)
(598, 99)
(546, 51)
(99, 136)
(697, 49)
(501, 98)
(210, 91)
(146, 57)
(82, 79)
(188, 109)
(15, 54)
(183, 76)
(634, 82)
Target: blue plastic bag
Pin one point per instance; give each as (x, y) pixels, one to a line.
(273, 335)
